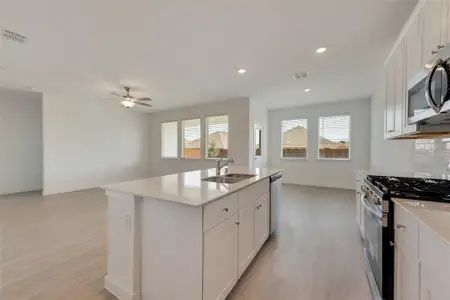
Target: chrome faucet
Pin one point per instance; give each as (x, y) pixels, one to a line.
(219, 166)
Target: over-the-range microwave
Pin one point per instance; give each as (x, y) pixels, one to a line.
(428, 105)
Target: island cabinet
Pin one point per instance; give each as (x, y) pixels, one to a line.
(422, 259)
(168, 250)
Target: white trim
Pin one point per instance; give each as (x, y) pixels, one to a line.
(294, 158)
(332, 158)
(118, 291)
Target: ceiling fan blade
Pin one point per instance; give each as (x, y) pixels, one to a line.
(144, 99)
(142, 104)
(115, 94)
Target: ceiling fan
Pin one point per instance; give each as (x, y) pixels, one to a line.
(129, 101)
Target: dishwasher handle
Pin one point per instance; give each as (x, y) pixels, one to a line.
(275, 177)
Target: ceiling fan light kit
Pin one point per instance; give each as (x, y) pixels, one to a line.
(129, 101)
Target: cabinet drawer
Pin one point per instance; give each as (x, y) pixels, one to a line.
(219, 210)
(406, 231)
(253, 192)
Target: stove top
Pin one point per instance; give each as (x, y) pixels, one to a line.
(412, 188)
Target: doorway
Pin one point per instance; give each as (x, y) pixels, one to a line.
(257, 151)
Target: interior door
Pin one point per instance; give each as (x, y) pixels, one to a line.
(246, 233)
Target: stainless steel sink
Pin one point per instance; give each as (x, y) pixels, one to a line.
(222, 179)
(240, 176)
(229, 178)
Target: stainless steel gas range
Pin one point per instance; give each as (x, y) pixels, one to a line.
(379, 231)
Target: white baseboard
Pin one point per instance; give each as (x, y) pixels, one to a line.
(120, 292)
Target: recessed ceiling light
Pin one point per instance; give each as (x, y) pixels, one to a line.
(321, 50)
(242, 71)
(307, 90)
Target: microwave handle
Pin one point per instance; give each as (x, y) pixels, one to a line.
(428, 94)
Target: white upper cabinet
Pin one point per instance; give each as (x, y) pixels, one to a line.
(413, 49)
(395, 93)
(426, 33)
(389, 81)
(446, 6)
(433, 21)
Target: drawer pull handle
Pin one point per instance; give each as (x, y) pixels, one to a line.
(237, 223)
(434, 52)
(258, 207)
(225, 209)
(400, 226)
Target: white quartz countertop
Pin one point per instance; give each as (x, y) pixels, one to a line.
(188, 187)
(435, 215)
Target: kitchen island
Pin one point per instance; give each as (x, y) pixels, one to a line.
(181, 237)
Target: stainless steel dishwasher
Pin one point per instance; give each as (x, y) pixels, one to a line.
(275, 199)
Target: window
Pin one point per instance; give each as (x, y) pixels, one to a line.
(191, 138)
(334, 137)
(294, 138)
(217, 137)
(169, 137)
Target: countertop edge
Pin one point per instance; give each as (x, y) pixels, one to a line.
(106, 188)
(420, 220)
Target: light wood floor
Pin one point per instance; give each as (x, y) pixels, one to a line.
(55, 248)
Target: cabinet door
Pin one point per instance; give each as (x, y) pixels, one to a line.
(446, 7)
(400, 88)
(261, 221)
(246, 233)
(390, 98)
(413, 51)
(432, 287)
(220, 260)
(406, 274)
(358, 208)
(431, 16)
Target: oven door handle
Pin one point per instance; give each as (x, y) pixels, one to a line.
(372, 209)
(428, 95)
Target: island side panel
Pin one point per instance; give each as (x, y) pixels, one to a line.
(172, 251)
(123, 277)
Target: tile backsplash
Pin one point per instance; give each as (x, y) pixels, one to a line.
(432, 158)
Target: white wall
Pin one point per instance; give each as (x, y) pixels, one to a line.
(90, 142)
(239, 135)
(386, 155)
(311, 171)
(21, 141)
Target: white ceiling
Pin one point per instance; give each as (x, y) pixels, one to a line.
(186, 52)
